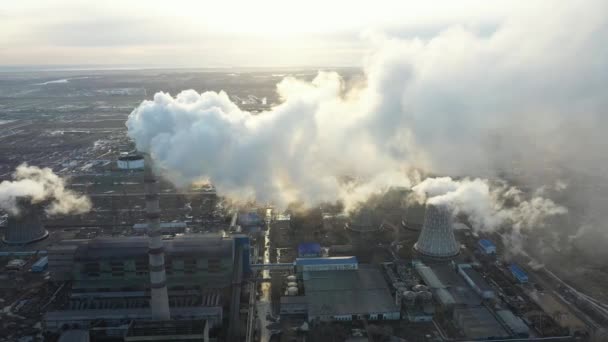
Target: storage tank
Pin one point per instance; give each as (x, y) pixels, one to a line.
(409, 296)
(424, 296)
(292, 291)
(419, 287)
(291, 278)
(292, 284)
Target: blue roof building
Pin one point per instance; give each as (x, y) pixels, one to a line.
(327, 264)
(41, 264)
(518, 273)
(486, 246)
(309, 249)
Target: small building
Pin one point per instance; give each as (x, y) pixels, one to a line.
(476, 281)
(486, 246)
(41, 264)
(326, 264)
(309, 250)
(15, 265)
(293, 305)
(518, 273)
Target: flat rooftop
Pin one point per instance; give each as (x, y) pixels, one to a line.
(334, 293)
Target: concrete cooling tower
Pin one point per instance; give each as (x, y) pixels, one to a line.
(437, 239)
(26, 226)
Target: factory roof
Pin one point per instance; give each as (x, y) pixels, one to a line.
(429, 277)
(478, 323)
(514, 323)
(518, 272)
(152, 330)
(134, 313)
(137, 246)
(361, 291)
(75, 335)
(477, 279)
(326, 261)
(141, 226)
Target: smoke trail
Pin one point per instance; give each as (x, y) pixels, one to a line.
(41, 185)
(525, 102)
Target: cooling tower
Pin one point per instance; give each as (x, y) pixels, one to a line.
(436, 239)
(159, 298)
(26, 226)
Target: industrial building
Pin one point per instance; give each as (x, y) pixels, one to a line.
(486, 246)
(349, 294)
(514, 324)
(518, 273)
(186, 331)
(309, 250)
(192, 261)
(25, 226)
(130, 162)
(165, 227)
(476, 281)
(478, 323)
(326, 264)
(436, 240)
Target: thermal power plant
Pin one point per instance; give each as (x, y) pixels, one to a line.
(436, 240)
(159, 298)
(25, 226)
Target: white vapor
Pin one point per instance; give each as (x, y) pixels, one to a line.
(41, 186)
(526, 101)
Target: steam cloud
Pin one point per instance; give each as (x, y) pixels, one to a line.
(525, 102)
(41, 185)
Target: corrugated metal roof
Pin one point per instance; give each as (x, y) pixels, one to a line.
(429, 277)
(518, 272)
(308, 248)
(513, 322)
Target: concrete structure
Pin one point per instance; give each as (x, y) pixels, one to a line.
(486, 246)
(130, 162)
(347, 295)
(25, 226)
(76, 335)
(436, 240)
(518, 273)
(326, 264)
(309, 250)
(159, 298)
(476, 281)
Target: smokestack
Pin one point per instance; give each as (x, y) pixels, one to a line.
(436, 239)
(25, 226)
(159, 300)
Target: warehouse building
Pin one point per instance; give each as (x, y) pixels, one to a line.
(486, 246)
(476, 281)
(356, 293)
(514, 324)
(518, 273)
(478, 323)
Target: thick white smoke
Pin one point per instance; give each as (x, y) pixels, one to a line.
(525, 102)
(41, 185)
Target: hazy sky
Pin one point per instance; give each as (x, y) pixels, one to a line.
(200, 33)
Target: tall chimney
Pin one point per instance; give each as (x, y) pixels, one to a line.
(437, 239)
(26, 226)
(159, 300)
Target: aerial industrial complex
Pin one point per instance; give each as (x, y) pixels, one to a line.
(153, 262)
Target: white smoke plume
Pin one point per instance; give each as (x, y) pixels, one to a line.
(41, 186)
(525, 102)
(490, 207)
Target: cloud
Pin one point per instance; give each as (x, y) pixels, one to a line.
(41, 186)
